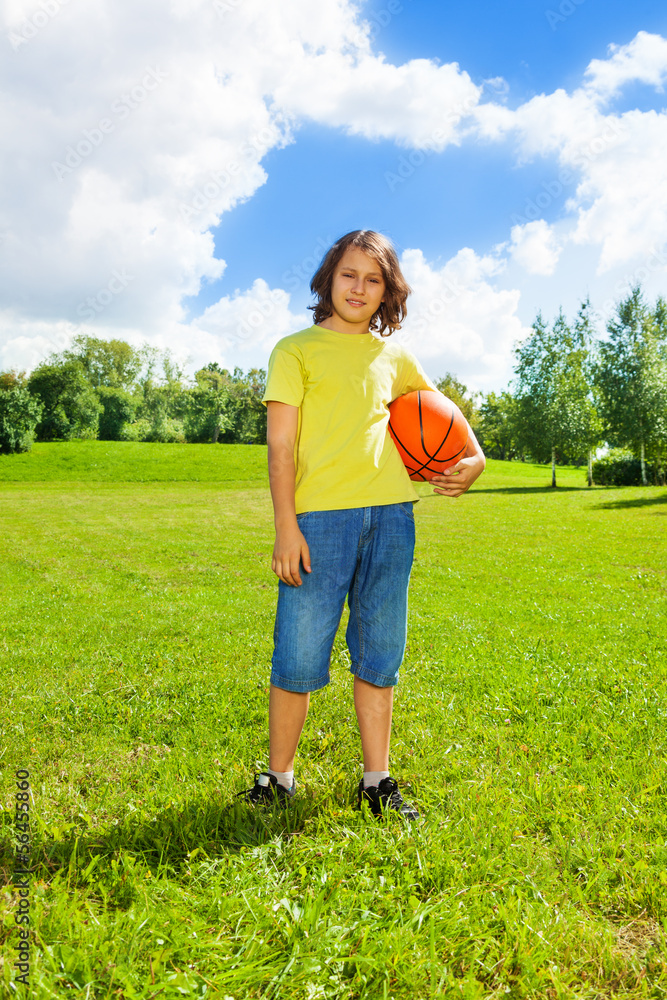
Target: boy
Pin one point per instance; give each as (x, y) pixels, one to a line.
(343, 506)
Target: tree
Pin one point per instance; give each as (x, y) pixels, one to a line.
(13, 380)
(247, 413)
(118, 410)
(19, 414)
(497, 426)
(162, 393)
(71, 407)
(206, 405)
(555, 411)
(111, 363)
(582, 362)
(455, 390)
(631, 377)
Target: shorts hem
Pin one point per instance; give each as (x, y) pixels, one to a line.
(373, 677)
(297, 686)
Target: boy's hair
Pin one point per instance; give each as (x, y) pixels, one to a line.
(392, 311)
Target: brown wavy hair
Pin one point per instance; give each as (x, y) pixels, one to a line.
(392, 311)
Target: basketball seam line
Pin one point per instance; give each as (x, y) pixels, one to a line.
(424, 465)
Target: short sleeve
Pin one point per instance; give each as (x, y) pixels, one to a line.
(411, 376)
(284, 381)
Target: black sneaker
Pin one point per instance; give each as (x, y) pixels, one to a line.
(267, 791)
(385, 796)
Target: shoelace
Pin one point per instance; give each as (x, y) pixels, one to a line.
(251, 792)
(396, 799)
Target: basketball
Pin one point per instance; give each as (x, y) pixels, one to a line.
(429, 431)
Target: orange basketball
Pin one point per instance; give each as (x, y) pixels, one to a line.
(430, 432)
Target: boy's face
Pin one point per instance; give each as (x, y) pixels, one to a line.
(357, 289)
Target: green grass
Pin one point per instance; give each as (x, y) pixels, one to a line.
(131, 461)
(530, 728)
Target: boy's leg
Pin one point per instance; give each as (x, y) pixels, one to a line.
(287, 714)
(374, 709)
(376, 636)
(306, 622)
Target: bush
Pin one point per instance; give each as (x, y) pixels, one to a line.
(71, 406)
(156, 412)
(169, 432)
(204, 414)
(19, 415)
(618, 468)
(118, 411)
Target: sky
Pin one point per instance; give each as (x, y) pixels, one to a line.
(174, 170)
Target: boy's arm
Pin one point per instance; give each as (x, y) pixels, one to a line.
(461, 476)
(290, 547)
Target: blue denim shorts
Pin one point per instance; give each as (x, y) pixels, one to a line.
(363, 554)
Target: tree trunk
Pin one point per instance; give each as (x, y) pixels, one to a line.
(590, 467)
(553, 466)
(643, 461)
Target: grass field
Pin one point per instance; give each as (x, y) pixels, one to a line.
(530, 729)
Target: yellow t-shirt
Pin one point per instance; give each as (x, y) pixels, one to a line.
(343, 384)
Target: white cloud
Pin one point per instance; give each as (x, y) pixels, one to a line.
(458, 320)
(132, 126)
(535, 248)
(644, 60)
(245, 325)
(24, 343)
(614, 161)
(418, 104)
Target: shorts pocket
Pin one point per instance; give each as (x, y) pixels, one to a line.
(408, 509)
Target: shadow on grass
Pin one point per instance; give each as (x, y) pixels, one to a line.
(534, 489)
(194, 830)
(638, 502)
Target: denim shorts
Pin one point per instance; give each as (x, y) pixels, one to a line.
(363, 554)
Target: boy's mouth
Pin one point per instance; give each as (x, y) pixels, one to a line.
(355, 302)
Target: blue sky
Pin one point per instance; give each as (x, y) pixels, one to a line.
(327, 183)
(514, 153)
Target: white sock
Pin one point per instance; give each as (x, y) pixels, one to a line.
(372, 778)
(284, 778)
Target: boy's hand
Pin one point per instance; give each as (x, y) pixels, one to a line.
(290, 549)
(459, 478)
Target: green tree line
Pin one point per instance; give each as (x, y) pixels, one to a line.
(109, 390)
(572, 392)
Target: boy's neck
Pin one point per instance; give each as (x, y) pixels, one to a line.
(339, 325)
